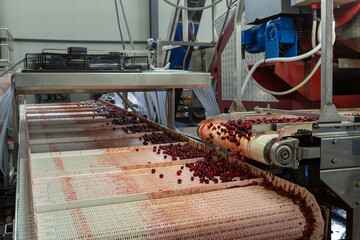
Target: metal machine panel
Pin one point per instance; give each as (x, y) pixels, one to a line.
(228, 73)
(309, 2)
(340, 152)
(344, 183)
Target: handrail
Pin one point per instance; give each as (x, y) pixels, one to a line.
(9, 60)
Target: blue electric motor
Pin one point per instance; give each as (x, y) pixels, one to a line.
(268, 37)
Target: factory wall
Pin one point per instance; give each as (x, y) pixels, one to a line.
(58, 24)
(33, 21)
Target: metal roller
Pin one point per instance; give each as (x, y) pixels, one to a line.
(264, 148)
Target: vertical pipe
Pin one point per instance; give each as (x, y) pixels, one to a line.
(238, 54)
(154, 19)
(127, 25)
(185, 23)
(212, 21)
(170, 99)
(118, 21)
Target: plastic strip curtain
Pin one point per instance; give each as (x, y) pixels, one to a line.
(140, 97)
(118, 100)
(5, 122)
(208, 100)
(159, 99)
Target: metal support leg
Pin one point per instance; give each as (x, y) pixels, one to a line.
(185, 22)
(329, 113)
(147, 105)
(353, 232)
(125, 95)
(170, 99)
(127, 102)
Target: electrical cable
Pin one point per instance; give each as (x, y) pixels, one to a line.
(289, 59)
(193, 8)
(311, 74)
(163, 68)
(118, 21)
(280, 59)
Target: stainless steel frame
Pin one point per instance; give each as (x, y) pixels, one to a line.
(48, 83)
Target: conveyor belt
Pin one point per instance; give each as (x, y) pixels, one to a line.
(91, 178)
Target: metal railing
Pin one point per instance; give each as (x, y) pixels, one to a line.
(6, 59)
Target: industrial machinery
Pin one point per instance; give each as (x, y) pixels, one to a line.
(93, 170)
(274, 29)
(269, 51)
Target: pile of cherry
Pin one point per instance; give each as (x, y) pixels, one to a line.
(214, 170)
(157, 138)
(235, 130)
(180, 151)
(353, 114)
(120, 118)
(139, 129)
(205, 170)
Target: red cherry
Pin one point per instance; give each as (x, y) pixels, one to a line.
(161, 175)
(178, 172)
(179, 181)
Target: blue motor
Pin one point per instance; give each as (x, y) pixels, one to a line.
(268, 37)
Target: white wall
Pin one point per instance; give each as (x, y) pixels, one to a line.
(72, 20)
(87, 20)
(204, 34)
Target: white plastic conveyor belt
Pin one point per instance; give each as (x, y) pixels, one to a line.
(91, 170)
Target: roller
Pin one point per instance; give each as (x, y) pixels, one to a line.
(264, 148)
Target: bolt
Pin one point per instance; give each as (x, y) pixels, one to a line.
(335, 141)
(334, 161)
(358, 202)
(358, 184)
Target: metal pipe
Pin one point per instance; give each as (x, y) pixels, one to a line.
(127, 25)
(238, 53)
(171, 33)
(185, 22)
(147, 105)
(218, 40)
(127, 102)
(118, 22)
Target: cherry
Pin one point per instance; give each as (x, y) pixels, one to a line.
(178, 172)
(153, 170)
(179, 181)
(161, 175)
(192, 178)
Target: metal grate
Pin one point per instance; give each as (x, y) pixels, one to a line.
(221, 214)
